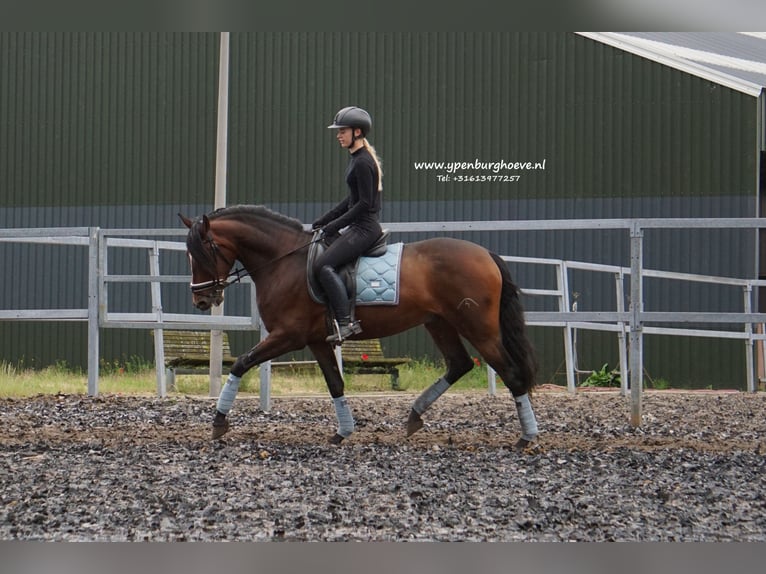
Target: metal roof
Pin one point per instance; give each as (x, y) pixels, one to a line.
(733, 59)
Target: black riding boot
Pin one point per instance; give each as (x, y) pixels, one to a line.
(335, 291)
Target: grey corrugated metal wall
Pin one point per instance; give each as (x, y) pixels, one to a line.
(118, 130)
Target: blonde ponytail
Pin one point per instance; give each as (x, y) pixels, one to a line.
(374, 155)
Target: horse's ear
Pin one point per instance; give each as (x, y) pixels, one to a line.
(187, 222)
(206, 223)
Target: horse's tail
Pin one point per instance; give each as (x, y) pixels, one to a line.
(514, 329)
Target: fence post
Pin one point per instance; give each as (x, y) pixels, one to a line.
(265, 375)
(159, 339)
(749, 357)
(636, 308)
(93, 306)
(216, 355)
(619, 280)
(491, 381)
(570, 352)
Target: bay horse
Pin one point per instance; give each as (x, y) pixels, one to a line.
(453, 287)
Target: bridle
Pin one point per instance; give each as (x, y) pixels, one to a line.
(216, 286)
(219, 284)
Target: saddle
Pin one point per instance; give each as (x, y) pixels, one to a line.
(347, 273)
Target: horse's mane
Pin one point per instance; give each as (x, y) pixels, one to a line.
(243, 212)
(195, 241)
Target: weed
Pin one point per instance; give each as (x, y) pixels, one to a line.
(660, 384)
(7, 369)
(603, 378)
(133, 365)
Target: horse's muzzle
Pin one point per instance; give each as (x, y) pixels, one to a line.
(203, 302)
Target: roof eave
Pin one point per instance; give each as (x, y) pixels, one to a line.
(681, 64)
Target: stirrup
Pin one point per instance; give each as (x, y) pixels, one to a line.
(343, 332)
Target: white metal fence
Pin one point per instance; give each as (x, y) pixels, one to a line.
(630, 325)
(157, 318)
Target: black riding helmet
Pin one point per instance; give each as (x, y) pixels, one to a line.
(352, 117)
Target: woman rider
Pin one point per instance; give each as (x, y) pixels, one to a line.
(356, 215)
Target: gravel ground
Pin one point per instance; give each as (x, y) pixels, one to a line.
(122, 468)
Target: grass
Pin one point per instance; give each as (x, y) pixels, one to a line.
(136, 378)
(19, 382)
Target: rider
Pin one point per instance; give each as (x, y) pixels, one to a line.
(357, 213)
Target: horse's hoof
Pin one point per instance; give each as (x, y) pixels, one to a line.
(336, 439)
(414, 423)
(528, 446)
(220, 428)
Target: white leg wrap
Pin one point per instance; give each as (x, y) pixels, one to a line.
(427, 397)
(526, 417)
(345, 418)
(228, 394)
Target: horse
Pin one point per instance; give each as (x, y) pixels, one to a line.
(455, 288)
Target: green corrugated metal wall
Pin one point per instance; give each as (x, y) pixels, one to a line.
(609, 124)
(114, 118)
(106, 118)
(93, 122)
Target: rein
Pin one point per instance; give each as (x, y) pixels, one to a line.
(223, 283)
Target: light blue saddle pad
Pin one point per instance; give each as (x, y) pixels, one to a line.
(377, 278)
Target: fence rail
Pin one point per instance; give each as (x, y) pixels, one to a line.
(629, 324)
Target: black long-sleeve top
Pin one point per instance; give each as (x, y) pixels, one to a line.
(362, 205)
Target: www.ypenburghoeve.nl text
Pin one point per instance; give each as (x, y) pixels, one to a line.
(479, 165)
(478, 170)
